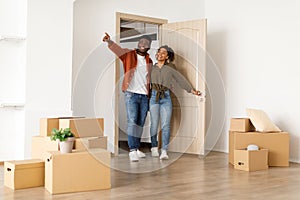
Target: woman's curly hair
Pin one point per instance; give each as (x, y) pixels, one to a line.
(170, 52)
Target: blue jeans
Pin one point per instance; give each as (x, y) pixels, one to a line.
(136, 108)
(160, 111)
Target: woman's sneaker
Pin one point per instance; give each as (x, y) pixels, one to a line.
(154, 152)
(164, 155)
(140, 154)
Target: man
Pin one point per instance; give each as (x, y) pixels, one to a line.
(137, 66)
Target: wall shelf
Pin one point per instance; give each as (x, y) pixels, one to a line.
(11, 38)
(12, 105)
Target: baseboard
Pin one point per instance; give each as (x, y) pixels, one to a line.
(294, 160)
(219, 150)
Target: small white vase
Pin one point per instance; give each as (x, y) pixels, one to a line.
(67, 145)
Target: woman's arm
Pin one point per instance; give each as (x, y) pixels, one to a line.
(184, 83)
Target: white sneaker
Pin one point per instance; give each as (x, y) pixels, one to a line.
(164, 155)
(154, 152)
(133, 156)
(140, 154)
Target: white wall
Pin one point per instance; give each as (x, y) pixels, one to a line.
(253, 43)
(49, 63)
(36, 70)
(93, 63)
(256, 44)
(12, 78)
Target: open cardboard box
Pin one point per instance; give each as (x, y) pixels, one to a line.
(251, 160)
(277, 144)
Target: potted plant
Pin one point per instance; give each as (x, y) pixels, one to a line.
(65, 137)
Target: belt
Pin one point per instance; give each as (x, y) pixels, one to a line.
(160, 90)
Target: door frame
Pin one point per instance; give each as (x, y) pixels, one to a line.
(119, 17)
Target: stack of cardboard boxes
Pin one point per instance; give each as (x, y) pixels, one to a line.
(86, 168)
(88, 133)
(274, 147)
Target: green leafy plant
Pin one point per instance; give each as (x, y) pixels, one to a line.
(61, 134)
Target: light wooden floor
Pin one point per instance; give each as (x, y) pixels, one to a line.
(189, 177)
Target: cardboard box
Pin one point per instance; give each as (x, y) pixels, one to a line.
(241, 125)
(47, 124)
(91, 143)
(84, 127)
(231, 147)
(78, 171)
(251, 160)
(24, 173)
(40, 145)
(276, 143)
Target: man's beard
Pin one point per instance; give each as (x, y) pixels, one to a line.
(142, 52)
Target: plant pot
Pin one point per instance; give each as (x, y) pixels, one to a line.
(67, 145)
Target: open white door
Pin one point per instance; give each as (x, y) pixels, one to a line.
(188, 40)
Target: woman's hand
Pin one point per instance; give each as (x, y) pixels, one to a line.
(195, 92)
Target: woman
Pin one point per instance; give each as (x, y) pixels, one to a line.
(163, 73)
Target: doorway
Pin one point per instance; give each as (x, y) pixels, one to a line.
(188, 40)
(128, 30)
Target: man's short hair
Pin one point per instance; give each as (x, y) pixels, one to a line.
(147, 37)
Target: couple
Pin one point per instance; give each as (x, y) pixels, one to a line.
(143, 80)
